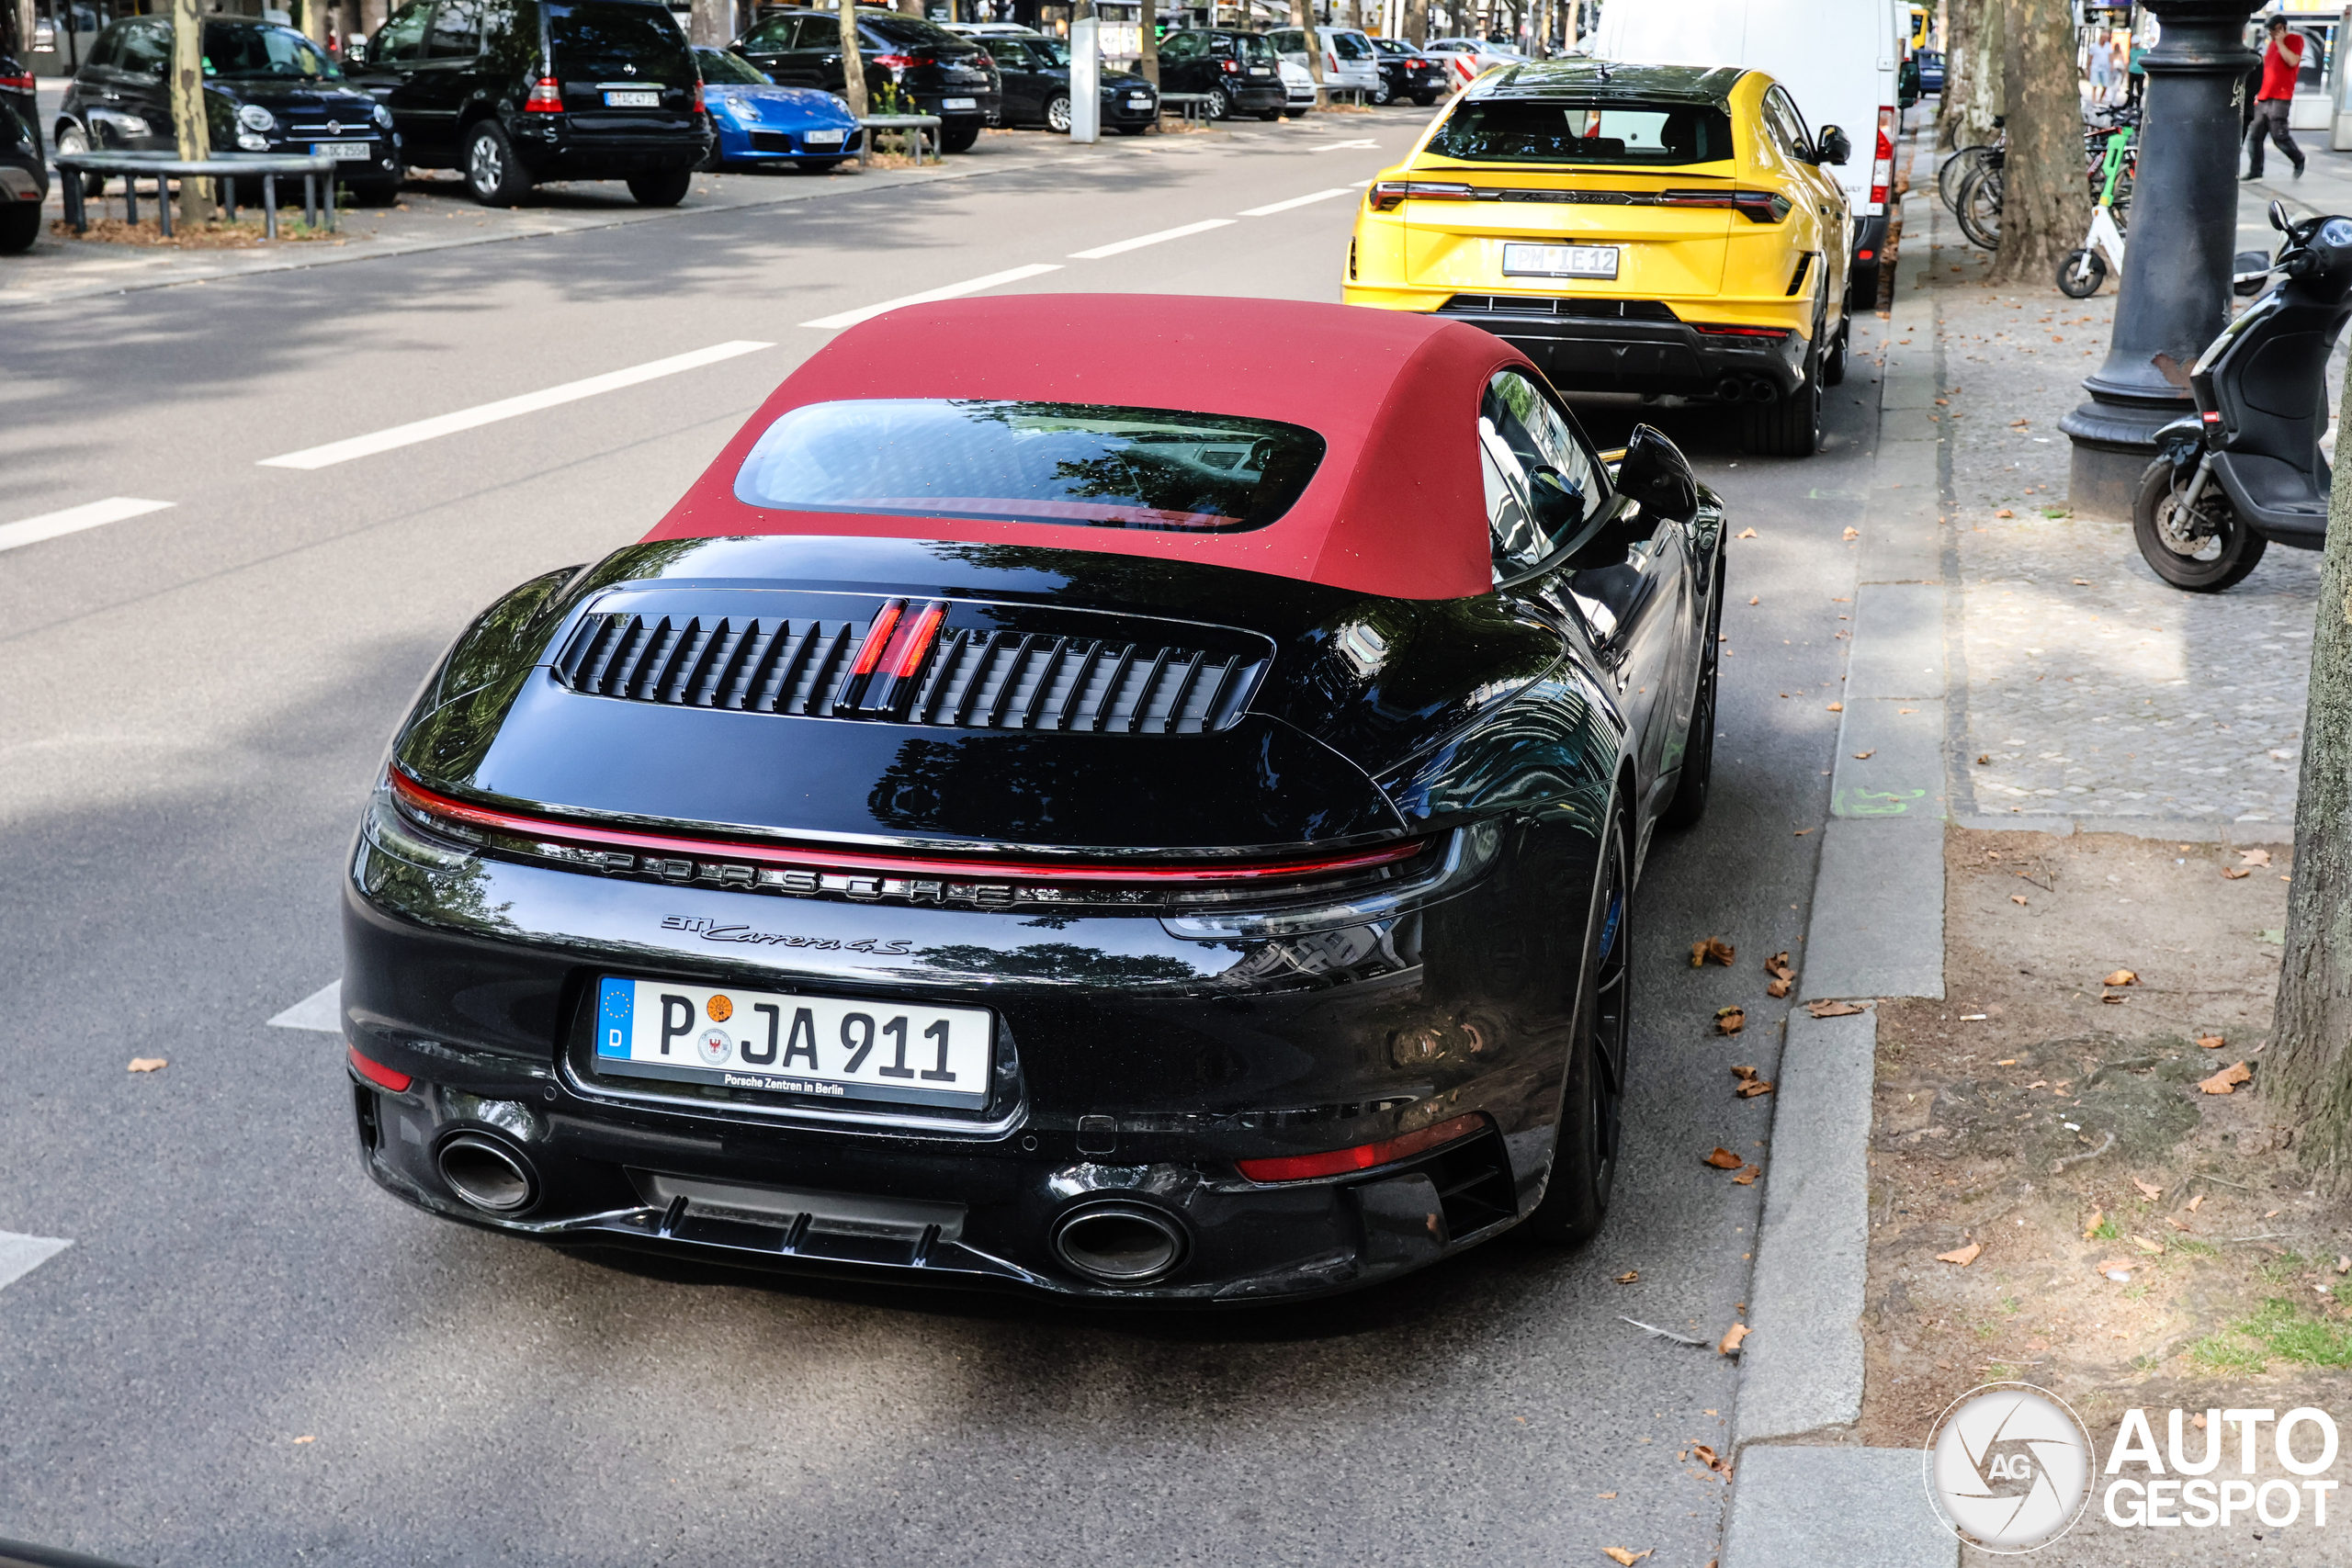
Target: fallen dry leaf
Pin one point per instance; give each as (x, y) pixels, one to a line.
(2116, 1265)
(1832, 1010)
(2210, 1041)
(308, 1437)
(2253, 857)
(2235, 873)
(1984, 757)
(148, 1064)
(1866, 756)
(1802, 832)
(2007, 1061)
(1706, 1456)
(1962, 1256)
(1750, 1088)
(1618, 1554)
(1730, 1020)
(2148, 1190)
(2098, 1217)
(1778, 989)
(1732, 1337)
(2344, 1265)
(1714, 947)
(2005, 512)
(1853, 533)
(1629, 1276)
(2116, 996)
(2193, 1203)
(1724, 1159)
(2176, 1221)
(2227, 1080)
(1836, 707)
(1745, 533)
(1608, 1496)
(2153, 1248)
(1753, 600)
(2122, 978)
(2017, 899)
(2274, 1214)
(1778, 967)
(1747, 1177)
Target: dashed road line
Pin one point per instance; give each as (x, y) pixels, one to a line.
(21, 1255)
(74, 519)
(1274, 206)
(1118, 247)
(322, 1011)
(506, 408)
(953, 291)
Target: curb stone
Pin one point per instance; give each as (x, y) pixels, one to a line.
(1835, 1508)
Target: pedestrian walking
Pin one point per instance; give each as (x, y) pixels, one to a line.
(2102, 69)
(2280, 61)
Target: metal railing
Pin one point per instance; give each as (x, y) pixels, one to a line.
(921, 124)
(226, 167)
(1192, 108)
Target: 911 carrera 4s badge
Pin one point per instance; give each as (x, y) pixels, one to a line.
(837, 1047)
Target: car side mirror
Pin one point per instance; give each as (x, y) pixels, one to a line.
(355, 53)
(1655, 473)
(1833, 147)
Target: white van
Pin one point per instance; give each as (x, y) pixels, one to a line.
(1838, 59)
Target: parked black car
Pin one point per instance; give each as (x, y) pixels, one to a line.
(1034, 77)
(514, 91)
(270, 90)
(946, 75)
(16, 83)
(1406, 72)
(24, 182)
(1239, 72)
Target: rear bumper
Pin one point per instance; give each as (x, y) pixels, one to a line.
(1582, 348)
(555, 151)
(1247, 95)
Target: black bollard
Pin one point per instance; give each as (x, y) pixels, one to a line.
(2175, 294)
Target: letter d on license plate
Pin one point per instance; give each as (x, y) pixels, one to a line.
(830, 1047)
(1560, 261)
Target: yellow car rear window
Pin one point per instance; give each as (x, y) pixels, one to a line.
(1564, 130)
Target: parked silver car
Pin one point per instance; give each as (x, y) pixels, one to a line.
(1349, 63)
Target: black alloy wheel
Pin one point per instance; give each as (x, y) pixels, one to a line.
(1220, 104)
(959, 138)
(1424, 100)
(1788, 426)
(1592, 1099)
(666, 189)
(1380, 95)
(19, 227)
(2203, 552)
(1690, 802)
(1058, 113)
(494, 175)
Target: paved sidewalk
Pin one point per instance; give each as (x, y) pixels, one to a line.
(2087, 687)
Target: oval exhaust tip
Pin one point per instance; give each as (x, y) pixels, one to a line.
(1120, 1244)
(488, 1175)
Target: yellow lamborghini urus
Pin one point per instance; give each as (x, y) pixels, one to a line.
(1655, 228)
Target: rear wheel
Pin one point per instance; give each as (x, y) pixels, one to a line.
(1380, 95)
(1788, 426)
(1276, 114)
(1058, 113)
(19, 227)
(1833, 369)
(1424, 100)
(1584, 1151)
(494, 176)
(1220, 104)
(1131, 129)
(665, 189)
(958, 138)
(2203, 552)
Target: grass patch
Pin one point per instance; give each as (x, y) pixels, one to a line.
(2106, 1230)
(2194, 1248)
(2284, 1269)
(2226, 1352)
(2292, 1336)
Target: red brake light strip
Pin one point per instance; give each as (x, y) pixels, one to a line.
(1364, 1157)
(877, 636)
(431, 803)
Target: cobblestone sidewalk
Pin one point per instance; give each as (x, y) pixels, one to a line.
(2086, 687)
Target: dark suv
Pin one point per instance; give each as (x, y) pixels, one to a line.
(514, 91)
(269, 90)
(944, 74)
(1239, 72)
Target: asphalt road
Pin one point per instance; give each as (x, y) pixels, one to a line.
(250, 1355)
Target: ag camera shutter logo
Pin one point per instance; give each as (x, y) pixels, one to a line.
(2008, 1467)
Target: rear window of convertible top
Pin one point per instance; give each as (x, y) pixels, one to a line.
(1031, 462)
(1558, 130)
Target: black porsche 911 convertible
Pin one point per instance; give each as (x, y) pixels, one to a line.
(1094, 817)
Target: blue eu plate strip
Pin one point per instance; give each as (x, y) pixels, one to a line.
(616, 1002)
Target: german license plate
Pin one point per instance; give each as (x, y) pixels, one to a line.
(1560, 261)
(345, 150)
(823, 137)
(960, 103)
(640, 99)
(1138, 103)
(828, 1047)
(1260, 70)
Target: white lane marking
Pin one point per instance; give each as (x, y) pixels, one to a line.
(322, 1011)
(506, 408)
(1099, 251)
(21, 1255)
(970, 286)
(1342, 146)
(74, 519)
(1274, 206)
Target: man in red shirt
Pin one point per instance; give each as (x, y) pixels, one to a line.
(2280, 61)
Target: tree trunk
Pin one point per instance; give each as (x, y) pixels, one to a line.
(1148, 27)
(1974, 64)
(853, 62)
(2045, 202)
(1302, 17)
(189, 125)
(2309, 1075)
(1416, 22)
(710, 19)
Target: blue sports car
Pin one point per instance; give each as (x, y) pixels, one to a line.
(758, 121)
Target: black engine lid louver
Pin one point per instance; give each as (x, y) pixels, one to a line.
(976, 677)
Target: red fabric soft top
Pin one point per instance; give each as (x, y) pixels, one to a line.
(1395, 509)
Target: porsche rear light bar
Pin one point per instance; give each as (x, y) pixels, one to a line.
(789, 868)
(1364, 1157)
(891, 661)
(379, 1075)
(1882, 160)
(546, 97)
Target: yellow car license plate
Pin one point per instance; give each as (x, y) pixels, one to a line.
(1560, 261)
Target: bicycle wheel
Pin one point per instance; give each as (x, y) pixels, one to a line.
(1954, 174)
(1980, 208)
